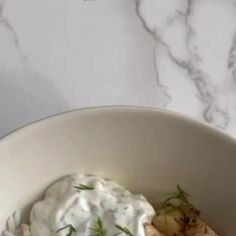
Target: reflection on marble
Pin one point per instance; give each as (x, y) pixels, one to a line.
(59, 55)
(86, 53)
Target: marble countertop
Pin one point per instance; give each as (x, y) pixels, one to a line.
(60, 55)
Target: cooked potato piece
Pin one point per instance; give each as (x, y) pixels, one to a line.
(176, 216)
(168, 224)
(152, 231)
(178, 224)
(201, 229)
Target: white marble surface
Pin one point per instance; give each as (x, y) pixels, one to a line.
(59, 55)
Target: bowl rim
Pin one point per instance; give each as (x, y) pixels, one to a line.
(104, 109)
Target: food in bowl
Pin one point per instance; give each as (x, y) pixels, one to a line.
(85, 205)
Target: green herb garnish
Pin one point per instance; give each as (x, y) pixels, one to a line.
(178, 201)
(84, 187)
(180, 196)
(70, 231)
(124, 230)
(98, 229)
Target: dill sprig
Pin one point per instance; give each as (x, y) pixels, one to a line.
(124, 230)
(177, 201)
(83, 187)
(70, 231)
(180, 196)
(98, 229)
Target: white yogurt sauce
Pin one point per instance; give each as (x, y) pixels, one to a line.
(64, 205)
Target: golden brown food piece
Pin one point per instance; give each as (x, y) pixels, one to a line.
(177, 223)
(201, 229)
(169, 224)
(177, 216)
(150, 230)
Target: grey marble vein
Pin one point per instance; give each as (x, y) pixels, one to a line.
(165, 97)
(183, 23)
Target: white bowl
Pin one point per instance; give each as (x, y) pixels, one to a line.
(147, 150)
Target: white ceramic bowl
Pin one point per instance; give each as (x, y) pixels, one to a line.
(147, 150)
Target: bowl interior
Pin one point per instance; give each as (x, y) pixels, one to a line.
(148, 151)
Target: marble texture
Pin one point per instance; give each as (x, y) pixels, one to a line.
(195, 56)
(60, 55)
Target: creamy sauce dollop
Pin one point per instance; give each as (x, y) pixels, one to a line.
(64, 204)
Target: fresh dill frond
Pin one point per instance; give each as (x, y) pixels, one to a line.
(124, 230)
(177, 206)
(178, 201)
(98, 229)
(70, 228)
(83, 187)
(180, 197)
